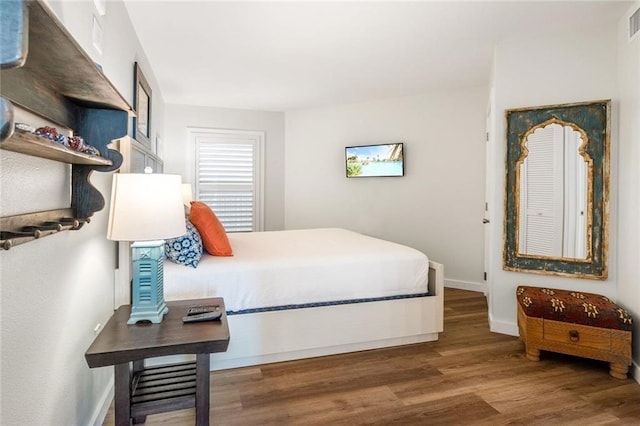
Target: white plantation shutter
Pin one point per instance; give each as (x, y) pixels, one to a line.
(541, 194)
(229, 176)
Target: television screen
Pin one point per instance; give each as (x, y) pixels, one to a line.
(375, 160)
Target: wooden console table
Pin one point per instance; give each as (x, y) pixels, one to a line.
(140, 390)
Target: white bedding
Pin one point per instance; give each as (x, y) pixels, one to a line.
(279, 268)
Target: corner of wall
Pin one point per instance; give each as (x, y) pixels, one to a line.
(466, 285)
(102, 405)
(503, 327)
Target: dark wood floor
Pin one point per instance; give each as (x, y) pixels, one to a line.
(470, 376)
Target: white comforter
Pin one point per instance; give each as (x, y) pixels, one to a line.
(300, 266)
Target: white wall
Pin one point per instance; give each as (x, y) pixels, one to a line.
(629, 177)
(436, 207)
(180, 154)
(56, 290)
(544, 71)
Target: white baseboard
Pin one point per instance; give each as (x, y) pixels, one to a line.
(503, 327)
(102, 407)
(466, 285)
(635, 371)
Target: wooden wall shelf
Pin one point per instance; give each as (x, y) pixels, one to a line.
(30, 144)
(53, 56)
(45, 71)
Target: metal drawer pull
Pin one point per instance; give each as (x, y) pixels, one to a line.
(574, 336)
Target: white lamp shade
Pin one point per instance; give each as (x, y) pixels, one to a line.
(146, 207)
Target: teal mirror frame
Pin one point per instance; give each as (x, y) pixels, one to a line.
(592, 118)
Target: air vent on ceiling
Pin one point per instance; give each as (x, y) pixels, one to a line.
(634, 25)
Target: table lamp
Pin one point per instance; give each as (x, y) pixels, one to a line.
(146, 209)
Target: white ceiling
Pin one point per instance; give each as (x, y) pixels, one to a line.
(279, 56)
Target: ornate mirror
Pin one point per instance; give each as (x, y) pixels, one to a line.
(557, 187)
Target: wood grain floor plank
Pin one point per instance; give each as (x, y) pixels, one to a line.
(470, 376)
(463, 409)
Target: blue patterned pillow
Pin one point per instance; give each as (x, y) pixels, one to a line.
(185, 250)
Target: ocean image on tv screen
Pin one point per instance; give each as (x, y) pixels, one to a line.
(375, 160)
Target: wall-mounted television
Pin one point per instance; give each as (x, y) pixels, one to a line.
(375, 160)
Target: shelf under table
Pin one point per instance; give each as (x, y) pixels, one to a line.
(163, 388)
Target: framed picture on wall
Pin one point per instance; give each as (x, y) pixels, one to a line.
(142, 105)
(378, 160)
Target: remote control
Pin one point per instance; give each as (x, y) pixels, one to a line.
(195, 310)
(207, 316)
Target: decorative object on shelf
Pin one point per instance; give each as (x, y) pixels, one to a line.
(52, 134)
(142, 102)
(24, 127)
(74, 142)
(146, 209)
(77, 143)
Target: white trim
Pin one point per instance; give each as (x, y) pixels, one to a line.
(503, 327)
(102, 407)
(259, 139)
(635, 371)
(467, 285)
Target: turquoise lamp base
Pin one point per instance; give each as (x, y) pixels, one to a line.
(147, 299)
(148, 315)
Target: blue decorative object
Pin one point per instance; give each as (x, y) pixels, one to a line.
(14, 33)
(148, 284)
(187, 249)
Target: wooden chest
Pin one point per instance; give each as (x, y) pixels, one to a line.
(551, 331)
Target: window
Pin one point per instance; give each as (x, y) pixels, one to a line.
(229, 176)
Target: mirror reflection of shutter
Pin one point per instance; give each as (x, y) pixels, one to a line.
(575, 197)
(542, 193)
(226, 179)
(572, 197)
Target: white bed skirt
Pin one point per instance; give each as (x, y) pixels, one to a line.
(274, 336)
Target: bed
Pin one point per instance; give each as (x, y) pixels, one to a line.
(305, 293)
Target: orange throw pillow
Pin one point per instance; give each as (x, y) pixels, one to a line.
(214, 237)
